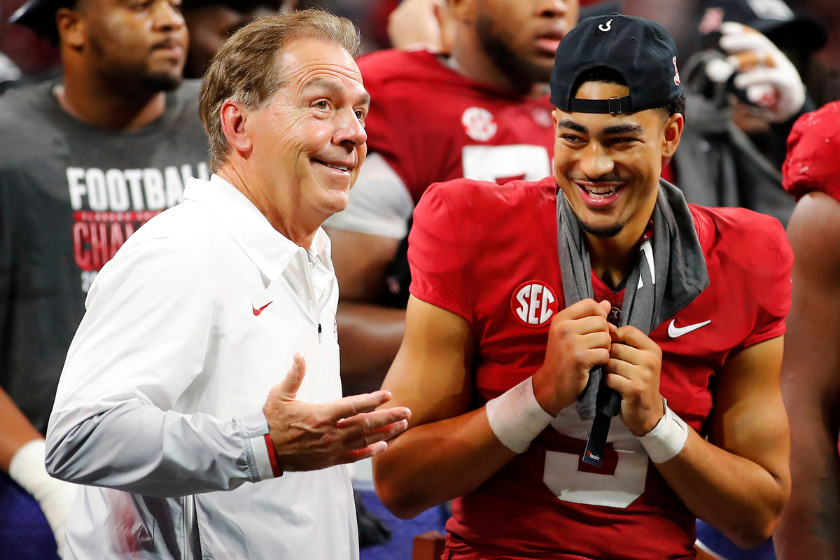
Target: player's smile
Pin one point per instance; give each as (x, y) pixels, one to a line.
(600, 194)
(608, 166)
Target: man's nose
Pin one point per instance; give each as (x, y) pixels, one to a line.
(167, 17)
(351, 131)
(552, 8)
(594, 161)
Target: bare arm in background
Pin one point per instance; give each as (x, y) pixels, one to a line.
(22, 456)
(15, 430)
(810, 526)
(421, 24)
(370, 334)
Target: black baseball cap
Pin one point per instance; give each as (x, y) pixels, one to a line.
(771, 17)
(642, 51)
(39, 15)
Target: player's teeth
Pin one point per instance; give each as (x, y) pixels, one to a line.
(601, 192)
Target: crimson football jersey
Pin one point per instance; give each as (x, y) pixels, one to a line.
(431, 124)
(813, 153)
(504, 280)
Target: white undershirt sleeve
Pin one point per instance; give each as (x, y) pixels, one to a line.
(380, 203)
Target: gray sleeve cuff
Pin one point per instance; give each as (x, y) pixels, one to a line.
(254, 428)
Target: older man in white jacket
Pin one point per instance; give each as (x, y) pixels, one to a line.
(161, 410)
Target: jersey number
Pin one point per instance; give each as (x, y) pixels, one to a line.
(617, 489)
(500, 164)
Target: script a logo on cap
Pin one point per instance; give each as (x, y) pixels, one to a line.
(676, 72)
(606, 27)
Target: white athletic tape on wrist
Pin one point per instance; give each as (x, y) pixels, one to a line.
(54, 496)
(667, 439)
(516, 417)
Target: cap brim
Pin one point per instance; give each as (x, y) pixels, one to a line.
(28, 13)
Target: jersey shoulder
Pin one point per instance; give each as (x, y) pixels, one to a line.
(739, 229)
(483, 217)
(813, 160)
(395, 66)
(476, 200)
(393, 76)
(743, 245)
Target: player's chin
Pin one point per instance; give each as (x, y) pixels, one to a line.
(599, 227)
(541, 64)
(164, 80)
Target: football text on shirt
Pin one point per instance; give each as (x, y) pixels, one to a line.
(109, 206)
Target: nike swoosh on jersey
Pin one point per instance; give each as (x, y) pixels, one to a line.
(676, 332)
(260, 310)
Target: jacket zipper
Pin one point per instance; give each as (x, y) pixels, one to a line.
(308, 272)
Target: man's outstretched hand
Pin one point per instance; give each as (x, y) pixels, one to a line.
(308, 437)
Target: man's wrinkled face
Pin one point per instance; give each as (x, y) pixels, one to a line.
(607, 166)
(309, 140)
(521, 36)
(140, 42)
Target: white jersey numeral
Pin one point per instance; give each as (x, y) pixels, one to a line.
(616, 490)
(519, 161)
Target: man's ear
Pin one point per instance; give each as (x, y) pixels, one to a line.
(671, 134)
(233, 117)
(72, 28)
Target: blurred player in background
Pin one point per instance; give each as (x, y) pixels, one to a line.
(435, 117)
(85, 160)
(745, 90)
(810, 526)
(211, 22)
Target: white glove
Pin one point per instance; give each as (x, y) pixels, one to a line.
(54, 496)
(769, 79)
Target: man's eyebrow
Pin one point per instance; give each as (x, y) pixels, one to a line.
(569, 123)
(334, 88)
(623, 129)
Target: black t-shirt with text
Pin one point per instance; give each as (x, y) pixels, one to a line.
(70, 195)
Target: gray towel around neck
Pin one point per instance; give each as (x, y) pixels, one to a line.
(669, 274)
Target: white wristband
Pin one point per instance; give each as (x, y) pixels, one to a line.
(667, 439)
(516, 417)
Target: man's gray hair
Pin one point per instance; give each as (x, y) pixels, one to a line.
(246, 68)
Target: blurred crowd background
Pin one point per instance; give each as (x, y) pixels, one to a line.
(35, 56)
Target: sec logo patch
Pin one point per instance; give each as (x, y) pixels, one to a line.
(533, 304)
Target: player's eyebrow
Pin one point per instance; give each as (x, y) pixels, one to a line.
(569, 123)
(623, 129)
(335, 89)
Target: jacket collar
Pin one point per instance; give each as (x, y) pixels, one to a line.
(269, 250)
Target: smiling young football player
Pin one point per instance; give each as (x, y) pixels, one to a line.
(510, 352)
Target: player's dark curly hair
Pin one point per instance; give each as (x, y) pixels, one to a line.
(606, 75)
